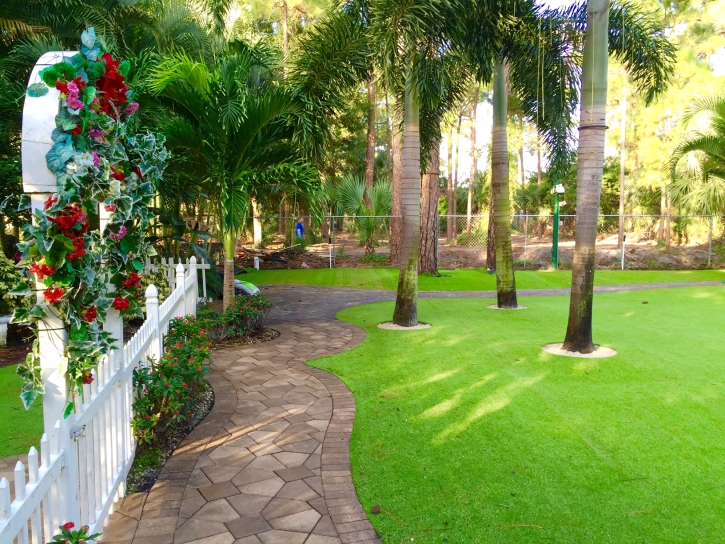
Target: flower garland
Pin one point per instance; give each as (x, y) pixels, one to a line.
(98, 161)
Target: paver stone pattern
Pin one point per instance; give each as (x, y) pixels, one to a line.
(271, 463)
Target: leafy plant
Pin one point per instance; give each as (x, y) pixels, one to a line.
(168, 388)
(244, 315)
(9, 278)
(160, 280)
(69, 536)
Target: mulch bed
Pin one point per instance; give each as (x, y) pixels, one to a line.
(20, 343)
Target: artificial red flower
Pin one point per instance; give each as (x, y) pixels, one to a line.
(132, 281)
(89, 314)
(54, 294)
(61, 86)
(50, 202)
(120, 303)
(41, 271)
(69, 217)
(87, 377)
(68, 526)
(78, 252)
(118, 174)
(77, 130)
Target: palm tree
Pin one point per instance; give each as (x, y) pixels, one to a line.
(699, 184)
(649, 58)
(234, 118)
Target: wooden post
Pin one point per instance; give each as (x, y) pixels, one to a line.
(193, 292)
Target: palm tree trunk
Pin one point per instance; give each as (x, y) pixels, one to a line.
(622, 157)
(397, 207)
(285, 33)
(663, 212)
(428, 260)
(505, 280)
(542, 224)
(522, 176)
(449, 171)
(469, 207)
(589, 176)
(490, 238)
(258, 239)
(406, 303)
(370, 151)
(455, 174)
(230, 250)
(388, 139)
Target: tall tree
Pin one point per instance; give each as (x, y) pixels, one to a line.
(474, 158)
(505, 281)
(370, 149)
(648, 58)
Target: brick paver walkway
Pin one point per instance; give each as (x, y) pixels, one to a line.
(271, 462)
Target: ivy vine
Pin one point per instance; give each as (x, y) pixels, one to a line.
(99, 162)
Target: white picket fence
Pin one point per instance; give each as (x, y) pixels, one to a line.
(84, 460)
(169, 267)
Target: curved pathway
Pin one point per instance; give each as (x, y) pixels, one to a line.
(271, 462)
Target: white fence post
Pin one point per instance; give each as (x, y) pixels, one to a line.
(193, 294)
(152, 315)
(181, 285)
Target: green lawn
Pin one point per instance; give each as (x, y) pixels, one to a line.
(465, 279)
(468, 432)
(19, 429)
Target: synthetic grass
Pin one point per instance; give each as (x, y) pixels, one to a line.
(466, 279)
(468, 432)
(19, 428)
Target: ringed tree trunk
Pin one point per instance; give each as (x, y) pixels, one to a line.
(428, 259)
(455, 175)
(505, 280)
(258, 239)
(469, 208)
(406, 302)
(490, 238)
(622, 158)
(397, 207)
(449, 171)
(370, 151)
(229, 244)
(589, 176)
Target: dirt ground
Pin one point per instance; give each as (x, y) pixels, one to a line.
(529, 254)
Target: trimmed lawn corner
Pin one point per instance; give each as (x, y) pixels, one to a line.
(19, 428)
(468, 432)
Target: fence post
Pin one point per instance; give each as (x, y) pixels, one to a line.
(181, 284)
(526, 235)
(709, 243)
(152, 314)
(193, 292)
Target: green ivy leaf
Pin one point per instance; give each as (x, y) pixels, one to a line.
(137, 264)
(68, 410)
(88, 37)
(22, 289)
(20, 315)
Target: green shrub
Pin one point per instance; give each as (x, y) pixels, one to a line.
(159, 279)
(9, 279)
(167, 389)
(246, 314)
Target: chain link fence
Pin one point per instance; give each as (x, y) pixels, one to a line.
(651, 241)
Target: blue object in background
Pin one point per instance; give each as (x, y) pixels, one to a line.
(299, 230)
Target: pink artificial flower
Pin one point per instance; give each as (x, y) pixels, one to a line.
(96, 159)
(121, 233)
(110, 208)
(72, 87)
(131, 108)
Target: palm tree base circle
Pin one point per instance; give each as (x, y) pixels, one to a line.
(599, 353)
(519, 307)
(390, 326)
